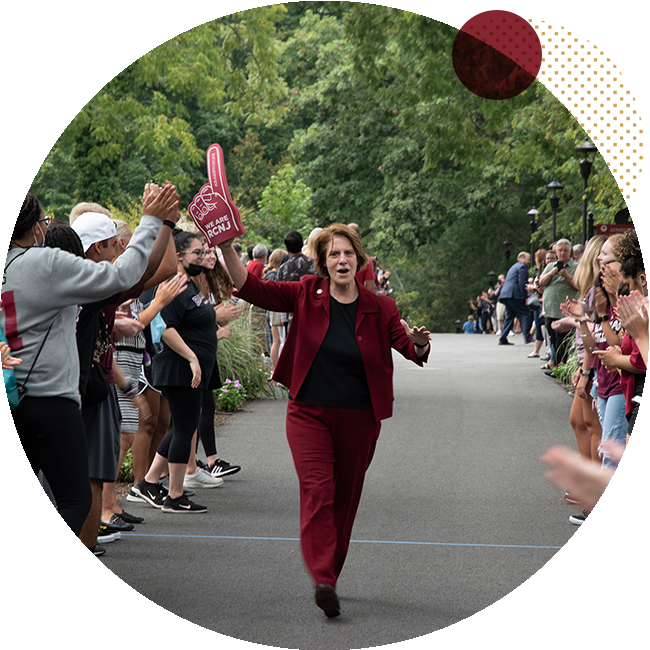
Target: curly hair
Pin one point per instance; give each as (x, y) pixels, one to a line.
(19, 211)
(628, 251)
(65, 238)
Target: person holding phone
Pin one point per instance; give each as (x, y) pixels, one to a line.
(558, 283)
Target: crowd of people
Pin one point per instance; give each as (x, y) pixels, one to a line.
(118, 337)
(591, 301)
(115, 332)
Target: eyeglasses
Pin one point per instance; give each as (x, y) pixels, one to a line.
(47, 220)
(199, 253)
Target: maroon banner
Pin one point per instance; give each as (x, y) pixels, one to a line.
(212, 209)
(609, 229)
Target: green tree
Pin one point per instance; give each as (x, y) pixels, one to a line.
(142, 125)
(284, 206)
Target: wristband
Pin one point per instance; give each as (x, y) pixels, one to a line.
(420, 346)
(600, 319)
(170, 223)
(584, 373)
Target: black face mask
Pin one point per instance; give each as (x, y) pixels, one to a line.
(194, 269)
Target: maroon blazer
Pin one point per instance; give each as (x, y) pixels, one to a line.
(378, 329)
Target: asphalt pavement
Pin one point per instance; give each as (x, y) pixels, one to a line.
(455, 512)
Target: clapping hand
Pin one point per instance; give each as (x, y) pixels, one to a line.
(611, 279)
(632, 311)
(572, 308)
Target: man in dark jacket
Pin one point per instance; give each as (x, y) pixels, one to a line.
(513, 295)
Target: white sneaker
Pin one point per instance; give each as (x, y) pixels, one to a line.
(632, 587)
(625, 529)
(56, 602)
(90, 589)
(201, 479)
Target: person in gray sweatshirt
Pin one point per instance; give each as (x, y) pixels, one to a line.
(41, 290)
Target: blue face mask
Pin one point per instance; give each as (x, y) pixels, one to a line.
(42, 244)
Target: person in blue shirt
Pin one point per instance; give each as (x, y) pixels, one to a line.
(468, 325)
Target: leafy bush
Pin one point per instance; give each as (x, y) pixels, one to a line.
(565, 371)
(240, 357)
(125, 474)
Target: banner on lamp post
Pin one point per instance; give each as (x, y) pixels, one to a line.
(609, 229)
(212, 209)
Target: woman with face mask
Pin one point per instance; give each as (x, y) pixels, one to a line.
(182, 371)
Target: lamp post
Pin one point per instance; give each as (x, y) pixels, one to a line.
(491, 275)
(507, 246)
(586, 149)
(554, 187)
(532, 213)
(458, 323)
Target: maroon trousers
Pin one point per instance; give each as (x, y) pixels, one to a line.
(332, 449)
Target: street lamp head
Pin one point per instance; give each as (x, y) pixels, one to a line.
(555, 187)
(587, 148)
(532, 213)
(507, 244)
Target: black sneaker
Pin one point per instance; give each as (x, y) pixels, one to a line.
(98, 550)
(149, 492)
(129, 518)
(104, 535)
(578, 520)
(221, 468)
(117, 524)
(182, 504)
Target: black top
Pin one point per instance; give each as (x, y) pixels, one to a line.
(89, 323)
(193, 317)
(337, 378)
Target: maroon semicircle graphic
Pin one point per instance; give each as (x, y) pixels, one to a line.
(497, 55)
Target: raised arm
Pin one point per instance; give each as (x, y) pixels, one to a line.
(237, 270)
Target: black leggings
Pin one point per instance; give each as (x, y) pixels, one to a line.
(206, 425)
(41, 433)
(185, 409)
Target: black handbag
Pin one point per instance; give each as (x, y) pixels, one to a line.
(97, 387)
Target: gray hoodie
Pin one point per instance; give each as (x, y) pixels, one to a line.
(42, 287)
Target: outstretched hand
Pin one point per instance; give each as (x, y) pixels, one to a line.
(419, 335)
(584, 479)
(162, 204)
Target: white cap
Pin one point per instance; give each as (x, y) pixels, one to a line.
(93, 227)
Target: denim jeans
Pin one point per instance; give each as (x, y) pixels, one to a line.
(611, 412)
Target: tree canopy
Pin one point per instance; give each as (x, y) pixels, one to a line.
(334, 111)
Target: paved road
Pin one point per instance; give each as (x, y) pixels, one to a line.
(455, 512)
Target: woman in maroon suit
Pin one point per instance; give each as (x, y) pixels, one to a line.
(337, 364)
